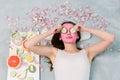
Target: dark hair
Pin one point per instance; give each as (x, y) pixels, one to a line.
(56, 42)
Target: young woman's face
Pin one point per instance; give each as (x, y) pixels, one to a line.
(68, 34)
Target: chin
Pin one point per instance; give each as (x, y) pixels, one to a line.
(70, 42)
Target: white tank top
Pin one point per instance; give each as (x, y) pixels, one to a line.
(71, 66)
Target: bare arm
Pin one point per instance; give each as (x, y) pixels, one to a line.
(106, 40)
(43, 50)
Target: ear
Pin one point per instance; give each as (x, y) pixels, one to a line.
(77, 37)
(60, 39)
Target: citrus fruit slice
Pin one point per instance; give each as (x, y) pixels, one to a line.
(30, 58)
(13, 61)
(23, 45)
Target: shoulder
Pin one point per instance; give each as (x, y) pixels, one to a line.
(53, 55)
(54, 52)
(90, 57)
(86, 50)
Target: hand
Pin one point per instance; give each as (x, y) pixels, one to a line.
(79, 27)
(56, 29)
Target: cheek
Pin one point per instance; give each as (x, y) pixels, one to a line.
(63, 36)
(74, 36)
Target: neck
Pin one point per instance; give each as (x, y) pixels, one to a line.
(70, 47)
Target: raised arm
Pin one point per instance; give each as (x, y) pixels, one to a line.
(44, 50)
(106, 40)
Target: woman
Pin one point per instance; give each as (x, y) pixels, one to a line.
(70, 62)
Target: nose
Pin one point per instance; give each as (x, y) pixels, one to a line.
(68, 33)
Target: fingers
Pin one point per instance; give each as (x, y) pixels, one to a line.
(57, 29)
(77, 27)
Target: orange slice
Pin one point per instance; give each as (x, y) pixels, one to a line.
(23, 45)
(13, 61)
